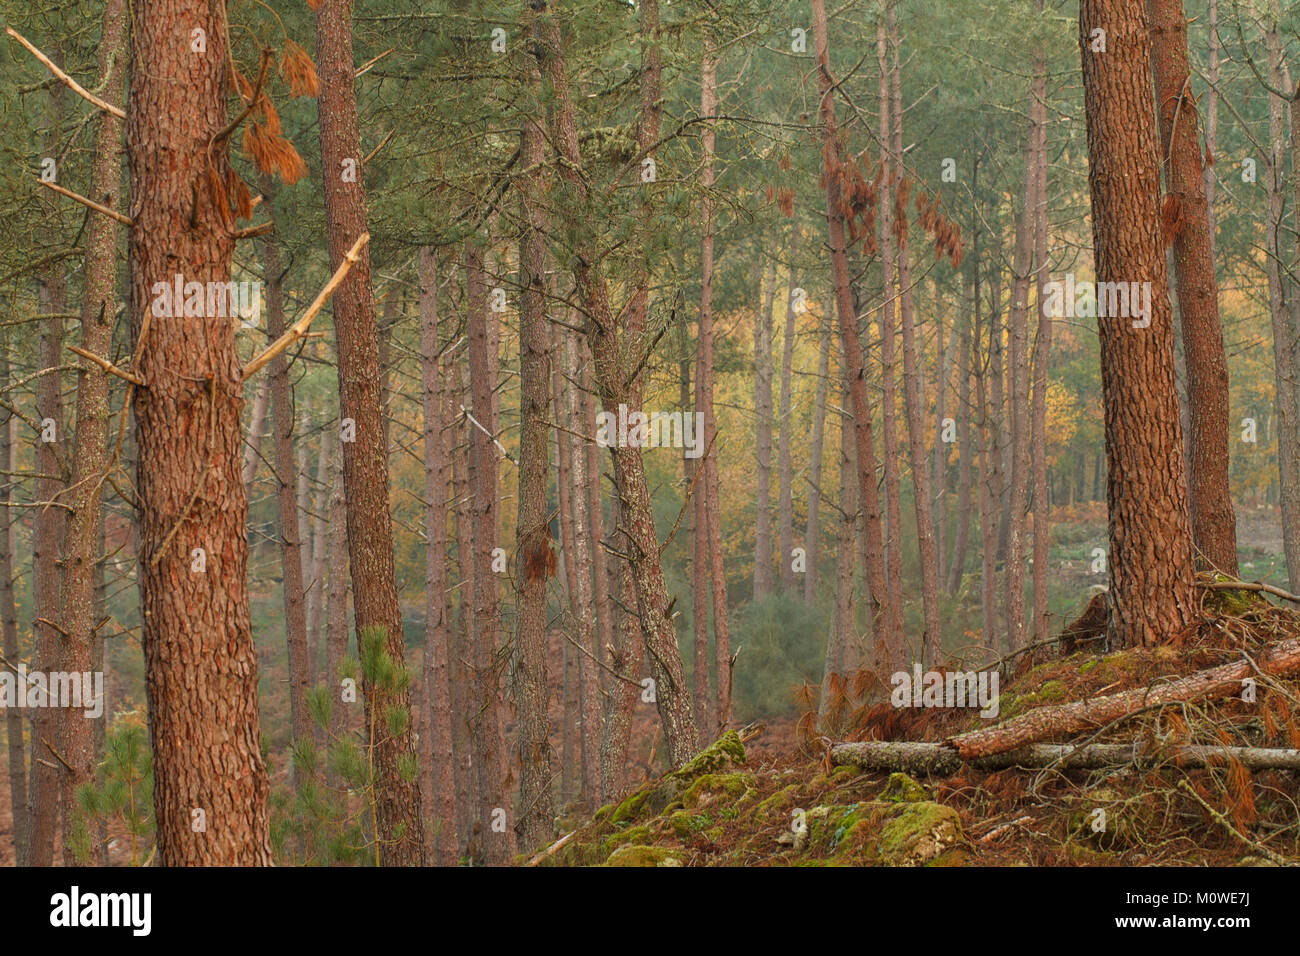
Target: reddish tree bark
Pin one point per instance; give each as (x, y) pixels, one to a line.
(1214, 524)
(1151, 567)
(365, 460)
(210, 783)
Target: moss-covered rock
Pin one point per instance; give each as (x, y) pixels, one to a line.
(919, 833)
(903, 789)
(711, 788)
(645, 856)
(777, 804)
(726, 752)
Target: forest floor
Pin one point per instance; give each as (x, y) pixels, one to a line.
(768, 801)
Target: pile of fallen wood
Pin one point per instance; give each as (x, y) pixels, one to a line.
(1019, 742)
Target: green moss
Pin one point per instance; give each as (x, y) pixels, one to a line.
(1087, 665)
(903, 789)
(726, 752)
(633, 836)
(644, 856)
(712, 787)
(1051, 690)
(777, 803)
(919, 833)
(684, 823)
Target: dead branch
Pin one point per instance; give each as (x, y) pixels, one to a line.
(71, 83)
(296, 331)
(108, 366)
(1043, 722)
(938, 758)
(111, 213)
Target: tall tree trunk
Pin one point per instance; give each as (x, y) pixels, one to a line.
(336, 612)
(288, 478)
(571, 742)
(365, 460)
(1214, 525)
(49, 527)
(319, 537)
(9, 622)
(440, 787)
(888, 349)
(763, 429)
(637, 514)
(842, 658)
(785, 466)
(812, 534)
(1287, 397)
(1151, 567)
(534, 553)
(883, 603)
(80, 646)
(1018, 369)
(468, 814)
(914, 388)
(210, 782)
(1042, 357)
(487, 728)
(965, 417)
(1212, 123)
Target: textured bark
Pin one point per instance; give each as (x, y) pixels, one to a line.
(288, 494)
(320, 521)
(888, 347)
(936, 758)
(486, 728)
(842, 657)
(256, 427)
(571, 744)
(462, 690)
(534, 554)
(1279, 660)
(1042, 358)
(884, 611)
(785, 465)
(636, 512)
(49, 527)
(1018, 372)
(336, 611)
(914, 393)
(77, 650)
(812, 533)
(708, 491)
(763, 435)
(1151, 567)
(583, 606)
(1214, 525)
(1212, 123)
(965, 417)
(365, 461)
(437, 756)
(9, 624)
(200, 663)
(1287, 391)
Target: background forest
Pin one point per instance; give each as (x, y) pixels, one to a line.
(533, 177)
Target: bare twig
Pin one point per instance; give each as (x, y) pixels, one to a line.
(71, 83)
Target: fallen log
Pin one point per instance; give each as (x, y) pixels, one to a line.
(938, 758)
(1064, 719)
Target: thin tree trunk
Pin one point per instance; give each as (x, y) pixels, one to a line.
(571, 744)
(785, 466)
(256, 428)
(914, 389)
(288, 496)
(883, 604)
(1042, 358)
(672, 696)
(842, 659)
(9, 621)
(468, 816)
(888, 348)
(365, 461)
(487, 728)
(80, 646)
(812, 535)
(965, 417)
(763, 426)
(49, 527)
(210, 782)
(440, 787)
